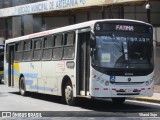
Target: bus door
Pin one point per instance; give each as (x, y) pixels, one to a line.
(83, 62)
(11, 65)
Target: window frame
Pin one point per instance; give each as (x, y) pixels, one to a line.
(27, 50)
(55, 47)
(65, 45)
(36, 49)
(17, 51)
(47, 48)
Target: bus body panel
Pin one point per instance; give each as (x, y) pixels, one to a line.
(122, 87)
(49, 77)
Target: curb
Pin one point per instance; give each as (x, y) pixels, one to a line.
(146, 99)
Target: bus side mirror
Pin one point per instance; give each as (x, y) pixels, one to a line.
(92, 40)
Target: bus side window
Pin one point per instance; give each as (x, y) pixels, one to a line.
(69, 45)
(37, 45)
(47, 48)
(18, 51)
(27, 53)
(58, 48)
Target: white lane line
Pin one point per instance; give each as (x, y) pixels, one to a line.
(142, 102)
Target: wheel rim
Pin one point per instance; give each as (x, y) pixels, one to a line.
(68, 93)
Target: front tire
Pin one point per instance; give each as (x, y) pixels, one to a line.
(22, 87)
(70, 100)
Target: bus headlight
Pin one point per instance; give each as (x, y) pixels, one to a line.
(149, 82)
(107, 83)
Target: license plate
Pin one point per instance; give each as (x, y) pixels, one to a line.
(129, 90)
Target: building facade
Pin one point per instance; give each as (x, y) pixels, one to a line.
(22, 17)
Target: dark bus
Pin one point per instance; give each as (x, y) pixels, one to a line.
(1, 62)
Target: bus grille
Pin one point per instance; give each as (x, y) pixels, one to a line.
(127, 83)
(128, 93)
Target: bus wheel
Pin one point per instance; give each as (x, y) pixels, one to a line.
(70, 100)
(118, 100)
(22, 87)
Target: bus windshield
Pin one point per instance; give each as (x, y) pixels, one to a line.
(123, 51)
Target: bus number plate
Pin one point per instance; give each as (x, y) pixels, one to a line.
(129, 90)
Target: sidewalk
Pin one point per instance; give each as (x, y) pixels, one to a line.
(155, 98)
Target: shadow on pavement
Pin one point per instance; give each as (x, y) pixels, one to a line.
(98, 105)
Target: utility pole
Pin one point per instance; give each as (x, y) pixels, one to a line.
(148, 8)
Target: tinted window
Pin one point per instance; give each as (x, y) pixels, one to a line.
(27, 45)
(47, 48)
(58, 40)
(19, 47)
(27, 50)
(69, 38)
(69, 47)
(58, 48)
(57, 53)
(18, 51)
(48, 42)
(37, 49)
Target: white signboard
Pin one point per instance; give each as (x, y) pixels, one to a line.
(53, 5)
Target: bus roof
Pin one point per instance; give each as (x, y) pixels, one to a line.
(68, 28)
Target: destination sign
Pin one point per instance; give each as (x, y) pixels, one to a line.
(125, 27)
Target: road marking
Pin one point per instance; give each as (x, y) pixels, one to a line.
(142, 102)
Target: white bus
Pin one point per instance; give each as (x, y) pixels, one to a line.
(109, 58)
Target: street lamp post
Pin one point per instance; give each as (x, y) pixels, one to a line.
(148, 8)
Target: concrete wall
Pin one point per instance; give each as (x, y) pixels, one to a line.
(37, 23)
(28, 24)
(54, 22)
(1, 40)
(16, 26)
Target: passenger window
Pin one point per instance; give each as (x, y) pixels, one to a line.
(58, 48)
(69, 38)
(18, 51)
(47, 48)
(69, 45)
(19, 47)
(48, 42)
(58, 40)
(37, 43)
(27, 50)
(27, 45)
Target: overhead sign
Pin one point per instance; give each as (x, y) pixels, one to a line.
(53, 5)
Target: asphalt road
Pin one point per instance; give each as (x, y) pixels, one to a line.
(51, 106)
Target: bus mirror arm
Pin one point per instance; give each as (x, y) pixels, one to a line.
(93, 53)
(92, 40)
